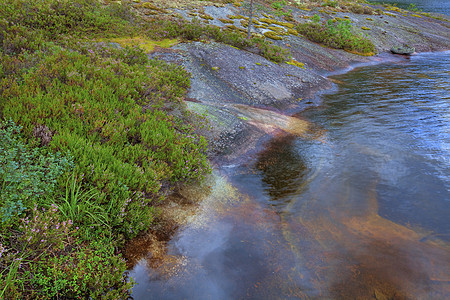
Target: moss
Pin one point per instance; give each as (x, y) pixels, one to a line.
(365, 28)
(369, 19)
(287, 24)
(417, 16)
(242, 67)
(267, 20)
(226, 21)
(272, 35)
(292, 32)
(293, 62)
(145, 44)
(359, 53)
(206, 17)
(278, 30)
(215, 68)
(244, 23)
(258, 64)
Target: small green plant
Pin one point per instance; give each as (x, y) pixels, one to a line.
(316, 18)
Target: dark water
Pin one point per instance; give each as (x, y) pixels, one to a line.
(437, 6)
(360, 213)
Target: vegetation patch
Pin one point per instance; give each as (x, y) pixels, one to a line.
(92, 136)
(296, 63)
(339, 35)
(144, 43)
(272, 35)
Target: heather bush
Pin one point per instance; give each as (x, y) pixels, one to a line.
(337, 34)
(98, 134)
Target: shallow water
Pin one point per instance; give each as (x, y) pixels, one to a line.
(360, 210)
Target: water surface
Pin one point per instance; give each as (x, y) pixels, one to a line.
(437, 6)
(360, 210)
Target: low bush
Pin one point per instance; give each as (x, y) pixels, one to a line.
(339, 35)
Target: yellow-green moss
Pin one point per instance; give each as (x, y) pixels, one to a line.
(206, 17)
(242, 67)
(272, 35)
(365, 28)
(145, 44)
(278, 30)
(255, 21)
(267, 20)
(296, 63)
(226, 21)
(369, 19)
(215, 68)
(292, 31)
(417, 16)
(244, 23)
(258, 64)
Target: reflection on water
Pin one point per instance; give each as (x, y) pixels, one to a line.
(360, 214)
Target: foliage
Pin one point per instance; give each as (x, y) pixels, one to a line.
(26, 174)
(102, 133)
(339, 34)
(43, 260)
(67, 16)
(161, 28)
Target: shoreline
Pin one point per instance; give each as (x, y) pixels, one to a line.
(179, 207)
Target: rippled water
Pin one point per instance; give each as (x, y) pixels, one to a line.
(439, 6)
(362, 211)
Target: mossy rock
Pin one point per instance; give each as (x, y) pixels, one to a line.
(272, 35)
(403, 50)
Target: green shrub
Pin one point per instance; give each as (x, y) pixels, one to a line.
(43, 260)
(67, 16)
(339, 35)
